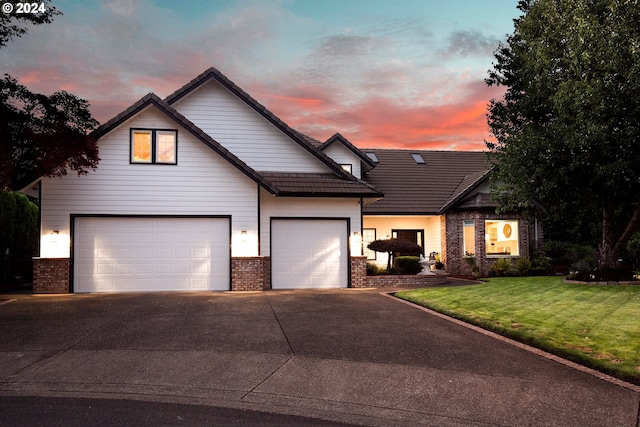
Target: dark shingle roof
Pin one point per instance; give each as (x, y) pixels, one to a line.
(318, 185)
(427, 189)
(337, 184)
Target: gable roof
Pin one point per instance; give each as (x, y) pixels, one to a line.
(469, 183)
(307, 184)
(172, 113)
(299, 138)
(337, 138)
(430, 188)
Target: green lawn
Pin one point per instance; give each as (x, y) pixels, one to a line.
(597, 326)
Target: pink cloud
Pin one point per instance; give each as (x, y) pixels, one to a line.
(384, 122)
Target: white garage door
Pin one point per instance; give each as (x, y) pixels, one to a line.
(309, 254)
(124, 254)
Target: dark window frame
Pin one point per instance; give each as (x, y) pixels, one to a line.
(154, 148)
(420, 235)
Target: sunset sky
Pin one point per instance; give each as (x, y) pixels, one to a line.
(384, 73)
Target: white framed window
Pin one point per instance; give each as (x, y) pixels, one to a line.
(469, 238)
(368, 236)
(154, 146)
(502, 237)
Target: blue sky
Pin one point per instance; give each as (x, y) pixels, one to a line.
(384, 73)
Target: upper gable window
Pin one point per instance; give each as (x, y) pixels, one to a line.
(154, 146)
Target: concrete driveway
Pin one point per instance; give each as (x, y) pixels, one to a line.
(353, 356)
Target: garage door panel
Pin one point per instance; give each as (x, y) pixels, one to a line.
(151, 254)
(309, 253)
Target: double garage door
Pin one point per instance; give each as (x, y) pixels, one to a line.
(134, 254)
(130, 254)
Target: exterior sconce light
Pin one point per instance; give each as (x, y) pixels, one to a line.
(356, 244)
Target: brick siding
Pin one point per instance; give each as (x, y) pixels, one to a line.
(51, 275)
(358, 271)
(250, 273)
(453, 258)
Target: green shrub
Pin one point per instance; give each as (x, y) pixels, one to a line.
(407, 265)
(579, 267)
(541, 263)
(565, 254)
(19, 233)
(523, 265)
(501, 267)
(471, 261)
(372, 269)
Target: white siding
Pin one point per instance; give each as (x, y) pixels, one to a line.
(202, 183)
(303, 207)
(244, 132)
(342, 155)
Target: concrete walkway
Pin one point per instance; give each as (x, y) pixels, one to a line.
(353, 356)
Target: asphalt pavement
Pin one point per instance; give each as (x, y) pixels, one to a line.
(324, 357)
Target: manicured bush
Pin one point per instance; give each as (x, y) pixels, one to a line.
(372, 269)
(407, 265)
(394, 247)
(540, 263)
(523, 266)
(501, 267)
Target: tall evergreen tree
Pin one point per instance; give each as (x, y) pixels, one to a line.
(568, 127)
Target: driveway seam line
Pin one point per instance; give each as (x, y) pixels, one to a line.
(530, 349)
(266, 378)
(275, 315)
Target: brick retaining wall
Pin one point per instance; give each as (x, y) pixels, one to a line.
(401, 281)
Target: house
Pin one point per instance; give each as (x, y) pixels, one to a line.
(208, 190)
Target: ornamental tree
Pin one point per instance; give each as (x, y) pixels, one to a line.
(567, 130)
(391, 246)
(43, 135)
(40, 135)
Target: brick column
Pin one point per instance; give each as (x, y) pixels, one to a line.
(358, 272)
(51, 275)
(249, 273)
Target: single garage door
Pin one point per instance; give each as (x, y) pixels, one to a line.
(131, 254)
(309, 253)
